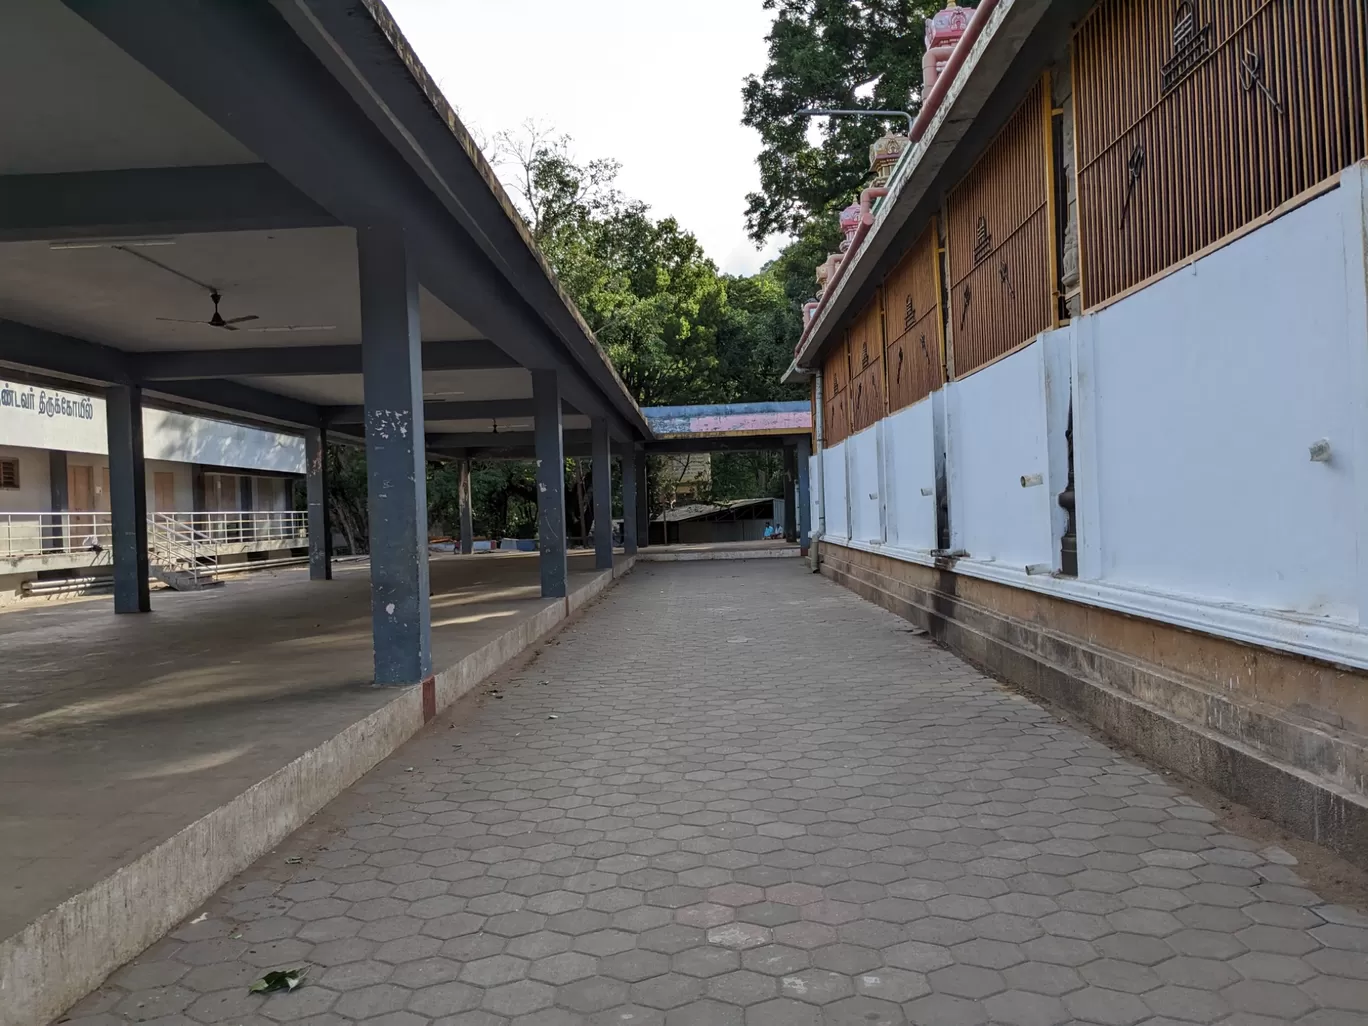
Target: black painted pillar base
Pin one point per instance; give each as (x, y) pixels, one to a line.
(128, 498)
(603, 496)
(630, 498)
(643, 509)
(802, 456)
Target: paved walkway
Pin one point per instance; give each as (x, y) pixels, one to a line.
(735, 794)
(118, 731)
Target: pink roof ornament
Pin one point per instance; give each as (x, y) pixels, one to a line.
(850, 224)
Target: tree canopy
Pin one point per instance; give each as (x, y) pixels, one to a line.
(842, 54)
(676, 329)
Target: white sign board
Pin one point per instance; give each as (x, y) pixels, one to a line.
(44, 418)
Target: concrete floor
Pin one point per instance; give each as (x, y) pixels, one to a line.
(115, 732)
(733, 794)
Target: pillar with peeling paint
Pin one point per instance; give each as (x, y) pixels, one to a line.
(546, 401)
(467, 516)
(392, 367)
(320, 524)
(603, 495)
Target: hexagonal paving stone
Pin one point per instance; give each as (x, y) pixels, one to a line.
(444, 999)
(783, 1012)
(565, 967)
(890, 984)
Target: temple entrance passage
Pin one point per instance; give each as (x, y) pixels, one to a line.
(731, 792)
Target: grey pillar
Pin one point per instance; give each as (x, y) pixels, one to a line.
(629, 498)
(643, 510)
(197, 488)
(467, 518)
(392, 366)
(802, 454)
(790, 508)
(550, 483)
(603, 496)
(320, 524)
(128, 498)
(54, 534)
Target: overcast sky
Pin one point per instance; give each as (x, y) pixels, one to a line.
(653, 84)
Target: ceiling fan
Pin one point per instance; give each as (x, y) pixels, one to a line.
(231, 323)
(216, 321)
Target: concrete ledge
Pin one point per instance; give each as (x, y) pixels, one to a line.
(688, 556)
(67, 952)
(1174, 722)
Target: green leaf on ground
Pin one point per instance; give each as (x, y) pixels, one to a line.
(279, 979)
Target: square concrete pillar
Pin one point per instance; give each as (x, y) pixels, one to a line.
(790, 506)
(803, 456)
(128, 498)
(320, 523)
(467, 516)
(643, 508)
(546, 402)
(630, 497)
(54, 532)
(603, 495)
(392, 368)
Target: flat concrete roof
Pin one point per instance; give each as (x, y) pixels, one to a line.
(169, 158)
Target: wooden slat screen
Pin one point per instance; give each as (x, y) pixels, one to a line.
(866, 365)
(912, 324)
(1209, 114)
(1000, 243)
(836, 395)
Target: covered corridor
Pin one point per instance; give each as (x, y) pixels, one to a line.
(734, 793)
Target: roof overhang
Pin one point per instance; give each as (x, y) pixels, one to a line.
(168, 158)
(1021, 39)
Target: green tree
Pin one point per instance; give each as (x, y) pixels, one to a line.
(645, 287)
(845, 54)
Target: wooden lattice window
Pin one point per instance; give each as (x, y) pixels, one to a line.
(913, 325)
(9, 474)
(866, 365)
(836, 395)
(1000, 241)
(1196, 118)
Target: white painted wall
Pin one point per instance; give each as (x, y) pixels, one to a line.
(39, 418)
(865, 485)
(834, 486)
(909, 442)
(33, 492)
(1195, 403)
(1003, 490)
(1199, 398)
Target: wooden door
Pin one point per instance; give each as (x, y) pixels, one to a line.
(80, 488)
(80, 499)
(163, 492)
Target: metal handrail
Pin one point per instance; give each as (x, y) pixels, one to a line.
(189, 537)
(47, 534)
